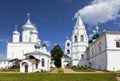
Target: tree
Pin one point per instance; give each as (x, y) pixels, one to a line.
(56, 54)
(95, 36)
(90, 41)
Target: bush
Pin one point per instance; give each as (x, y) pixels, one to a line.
(43, 71)
(82, 69)
(17, 70)
(60, 70)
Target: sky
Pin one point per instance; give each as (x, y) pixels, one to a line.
(55, 19)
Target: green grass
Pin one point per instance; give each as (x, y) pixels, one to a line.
(56, 77)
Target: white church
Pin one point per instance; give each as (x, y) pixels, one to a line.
(102, 54)
(30, 53)
(32, 56)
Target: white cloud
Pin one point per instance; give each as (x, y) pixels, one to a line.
(5, 40)
(100, 11)
(48, 44)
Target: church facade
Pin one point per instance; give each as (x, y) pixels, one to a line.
(30, 53)
(102, 54)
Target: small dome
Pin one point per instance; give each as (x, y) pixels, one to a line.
(28, 26)
(16, 32)
(34, 31)
(37, 46)
(44, 45)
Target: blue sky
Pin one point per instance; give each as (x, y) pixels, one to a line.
(55, 18)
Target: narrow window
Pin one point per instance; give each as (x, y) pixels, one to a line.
(118, 44)
(82, 38)
(92, 52)
(36, 64)
(43, 62)
(75, 38)
(82, 56)
(99, 48)
(68, 44)
(68, 51)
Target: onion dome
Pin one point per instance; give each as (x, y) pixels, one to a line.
(34, 31)
(44, 45)
(28, 25)
(15, 32)
(37, 46)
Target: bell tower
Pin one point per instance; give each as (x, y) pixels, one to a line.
(79, 43)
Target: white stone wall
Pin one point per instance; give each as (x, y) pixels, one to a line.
(113, 60)
(113, 52)
(97, 54)
(4, 64)
(108, 57)
(34, 37)
(16, 38)
(26, 36)
(17, 50)
(47, 63)
(32, 66)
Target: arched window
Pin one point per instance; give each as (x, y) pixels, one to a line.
(75, 38)
(99, 48)
(68, 44)
(43, 62)
(82, 38)
(68, 51)
(82, 56)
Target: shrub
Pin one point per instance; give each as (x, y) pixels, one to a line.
(82, 69)
(60, 70)
(17, 70)
(43, 71)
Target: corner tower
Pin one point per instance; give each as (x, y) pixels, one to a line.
(79, 43)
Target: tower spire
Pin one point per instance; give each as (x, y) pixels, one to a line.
(79, 20)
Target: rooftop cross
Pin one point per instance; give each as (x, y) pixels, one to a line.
(28, 14)
(78, 14)
(16, 26)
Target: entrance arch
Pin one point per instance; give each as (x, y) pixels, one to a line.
(25, 65)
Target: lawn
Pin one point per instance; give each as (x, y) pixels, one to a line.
(56, 77)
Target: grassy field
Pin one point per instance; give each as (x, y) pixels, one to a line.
(56, 77)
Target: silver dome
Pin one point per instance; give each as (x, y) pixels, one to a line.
(33, 31)
(28, 26)
(16, 32)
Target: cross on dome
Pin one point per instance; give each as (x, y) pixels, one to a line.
(16, 31)
(16, 26)
(78, 14)
(28, 14)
